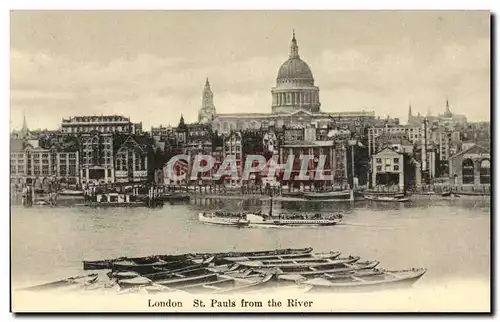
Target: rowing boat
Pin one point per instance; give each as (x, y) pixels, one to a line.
(70, 281)
(108, 263)
(309, 271)
(278, 257)
(386, 198)
(298, 264)
(368, 281)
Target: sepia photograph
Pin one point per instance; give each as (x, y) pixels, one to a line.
(320, 161)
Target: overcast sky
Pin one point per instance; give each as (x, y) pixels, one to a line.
(152, 65)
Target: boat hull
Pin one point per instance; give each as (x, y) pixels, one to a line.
(224, 221)
(108, 263)
(344, 195)
(386, 199)
(370, 286)
(260, 221)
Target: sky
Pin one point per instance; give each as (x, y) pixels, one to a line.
(151, 66)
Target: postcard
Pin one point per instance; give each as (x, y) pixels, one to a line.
(250, 161)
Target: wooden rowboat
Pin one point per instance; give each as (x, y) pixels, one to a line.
(368, 281)
(308, 272)
(70, 281)
(278, 257)
(297, 264)
(107, 263)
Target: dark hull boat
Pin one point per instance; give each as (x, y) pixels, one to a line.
(272, 257)
(174, 197)
(374, 280)
(93, 204)
(107, 263)
(149, 268)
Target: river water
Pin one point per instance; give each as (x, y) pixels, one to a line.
(451, 238)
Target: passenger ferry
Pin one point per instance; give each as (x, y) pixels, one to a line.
(223, 219)
(266, 220)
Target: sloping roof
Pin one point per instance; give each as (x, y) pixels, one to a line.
(475, 149)
(387, 149)
(145, 143)
(401, 141)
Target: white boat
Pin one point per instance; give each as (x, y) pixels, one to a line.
(386, 198)
(330, 195)
(211, 218)
(367, 281)
(298, 264)
(68, 192)
(266, 220)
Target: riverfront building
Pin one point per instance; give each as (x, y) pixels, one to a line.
(471, 167)
(103, 124)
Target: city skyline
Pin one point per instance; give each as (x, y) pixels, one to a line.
(152, 66)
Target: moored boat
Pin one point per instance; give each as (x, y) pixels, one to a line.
(253, 285)
(293, 264)
(145, 268)
(366, 281)
(113, 200)
(396, 198)
(175, 197)
(271, 257)
(312, 258)
(70, 281)
(345, 195)
(311, 271)
(71, 193)
(221, 256)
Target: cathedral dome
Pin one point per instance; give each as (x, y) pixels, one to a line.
(295, 68)
(295, 88)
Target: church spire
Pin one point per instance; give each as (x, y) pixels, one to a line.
(24, 129)
(294, 49)
(447, 112)
(410, 114)
(207, 111)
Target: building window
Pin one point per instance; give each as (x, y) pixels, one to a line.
(484, 172)
(396, 168)
(379, 168)
(467, 171)
(379, 160)
(396, 160)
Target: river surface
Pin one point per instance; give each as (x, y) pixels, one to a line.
(451, 238)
